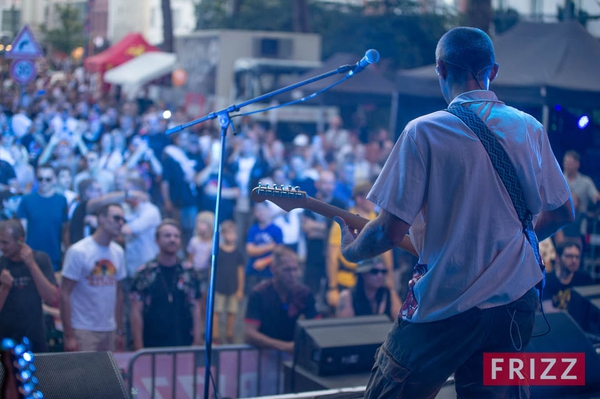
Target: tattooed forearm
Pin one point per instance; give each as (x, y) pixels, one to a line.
(371, 242)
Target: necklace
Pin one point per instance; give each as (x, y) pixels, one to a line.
(168, 288)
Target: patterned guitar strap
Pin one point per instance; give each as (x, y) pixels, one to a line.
(508, 175)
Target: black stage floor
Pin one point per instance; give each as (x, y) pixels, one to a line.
(301, 380)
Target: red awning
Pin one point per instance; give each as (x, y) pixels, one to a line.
(127, 48)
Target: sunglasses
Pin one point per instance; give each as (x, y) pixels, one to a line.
(45, 179)
(118, 219)
(378, 271)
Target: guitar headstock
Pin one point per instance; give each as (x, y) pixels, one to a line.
(286, 198)
(20, 381)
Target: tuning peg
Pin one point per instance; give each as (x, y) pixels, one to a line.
(289, 187)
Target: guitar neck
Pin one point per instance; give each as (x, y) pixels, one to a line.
(352, 220)
(322, 208)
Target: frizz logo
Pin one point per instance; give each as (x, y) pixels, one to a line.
(534, 368)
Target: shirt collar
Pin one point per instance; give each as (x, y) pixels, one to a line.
(475, 96)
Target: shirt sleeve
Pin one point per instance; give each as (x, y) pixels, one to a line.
(253, 311)
(72, 265)
(45, 265)
(22, 211)
(136, 291)
(310, 312)
(148, 218)
(122, 270)
(65, 209)
(251, 234)
(277, 235)
(239, 256)
(402, 184)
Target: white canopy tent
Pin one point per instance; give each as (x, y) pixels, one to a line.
(133, 74)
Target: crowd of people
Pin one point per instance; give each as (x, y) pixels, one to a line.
(109, 221)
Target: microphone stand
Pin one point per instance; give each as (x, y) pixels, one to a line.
(224, 118)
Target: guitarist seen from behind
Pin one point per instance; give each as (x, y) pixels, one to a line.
(473, 289)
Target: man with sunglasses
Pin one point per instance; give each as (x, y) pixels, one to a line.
(473, 289)
(370, 296)
(44, 215)
(91, 297)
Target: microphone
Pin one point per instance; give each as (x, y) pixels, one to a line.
(371, 57)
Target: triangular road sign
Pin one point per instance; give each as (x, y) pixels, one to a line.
(25, 45)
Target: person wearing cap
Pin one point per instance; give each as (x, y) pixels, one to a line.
(341, 274)
(474, 287)
(370, 296)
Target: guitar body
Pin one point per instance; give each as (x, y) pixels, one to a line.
(293, 198)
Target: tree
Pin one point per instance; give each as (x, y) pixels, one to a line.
(301, 16)
(69, 34)
(404, 35)
(479, 14)
(167, 26)
(505, 19)
(271, 15)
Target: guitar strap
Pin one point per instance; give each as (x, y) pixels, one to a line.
(508, 175)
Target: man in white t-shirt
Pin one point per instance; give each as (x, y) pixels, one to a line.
(91, 298)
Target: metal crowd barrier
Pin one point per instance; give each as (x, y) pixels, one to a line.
(239, 371)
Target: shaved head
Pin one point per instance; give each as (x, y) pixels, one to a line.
(468, 51)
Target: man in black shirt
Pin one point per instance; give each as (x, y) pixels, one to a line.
(26, 278)
(566, 275)
(165, 296)
(275, 304)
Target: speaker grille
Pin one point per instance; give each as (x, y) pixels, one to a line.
(89, 375)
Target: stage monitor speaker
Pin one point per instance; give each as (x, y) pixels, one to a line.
(584, 307)
(78, 375)
(339, 346)
(565, 336)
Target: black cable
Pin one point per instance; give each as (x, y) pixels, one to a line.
(545, 318)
